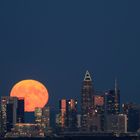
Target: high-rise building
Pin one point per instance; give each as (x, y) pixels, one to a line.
(20, 110)
(72, 114)
(63, 113)
(112, 100)
(133, 113)
(98, 101)
(42, 117)
(67, 117)
(46, 117)
(117, 123)
(8, 113)
(38, 115)
(87, 103)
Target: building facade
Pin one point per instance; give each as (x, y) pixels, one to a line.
(8, 113)
(117, 123)
(67, 117)
(87, 103)
(72, 114)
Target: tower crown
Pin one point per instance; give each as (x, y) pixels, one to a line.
(87, 76)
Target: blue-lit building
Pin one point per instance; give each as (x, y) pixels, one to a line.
(112, 102)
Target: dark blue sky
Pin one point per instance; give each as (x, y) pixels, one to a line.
(55, 42)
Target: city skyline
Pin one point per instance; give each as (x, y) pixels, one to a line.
(100, 114)
(55, 43)
(70, 69)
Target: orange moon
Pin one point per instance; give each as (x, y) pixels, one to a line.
(34, 93)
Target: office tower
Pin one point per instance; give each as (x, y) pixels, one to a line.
(72, 114)
(112, 100)
(8, 113)
(20, 110)
(87, 103)
(98, 102)
(42, 117)
(67, 117)
(46, 117)
(38, 115)
(117, 123)
(133, 113)
(63, 113)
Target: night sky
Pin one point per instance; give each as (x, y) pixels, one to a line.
(55, 42)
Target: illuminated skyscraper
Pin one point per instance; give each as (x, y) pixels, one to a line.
(87, 103)
(46, 117)
(117, 123)
(67, 117)
(8, 113)
(38, 115)
(98, 101)
(112, 100)
(72, 114)
(63, 113)
(42, 117)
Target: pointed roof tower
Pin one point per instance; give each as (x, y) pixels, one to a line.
(87, 76)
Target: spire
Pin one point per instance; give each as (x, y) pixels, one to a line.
(87, 76)
(116, 86)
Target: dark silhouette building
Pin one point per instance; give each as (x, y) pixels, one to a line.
(133, 114)
(20, 111)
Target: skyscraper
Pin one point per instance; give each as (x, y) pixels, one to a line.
(38, 115)
(63, 113)
(20, 110)
(87, 102)
(98, 101)
(132, 111)
(46, 117)
(117, 123)
(42, 117)
(8, 113)
(72, 114)
(112, 100)
(67, 117)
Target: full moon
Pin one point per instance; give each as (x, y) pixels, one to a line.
(34, 93)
